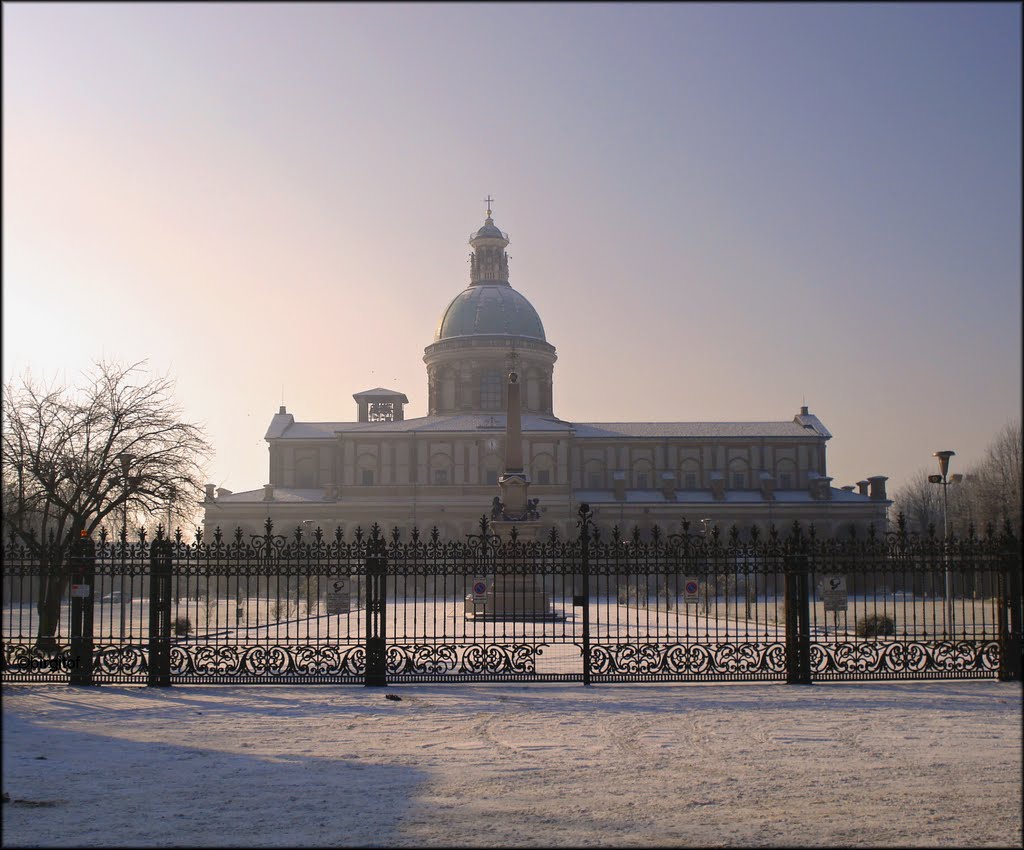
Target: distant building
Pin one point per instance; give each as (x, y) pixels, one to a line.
(442, 469)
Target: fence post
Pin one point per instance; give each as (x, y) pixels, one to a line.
(159, 673)
(1010, 619)
(83, 600)
(376, 617)
(584, 524)
(798, 621)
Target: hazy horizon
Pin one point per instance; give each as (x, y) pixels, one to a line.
(720, 212)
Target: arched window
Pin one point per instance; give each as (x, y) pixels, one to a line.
(689, 474)
(785, 474)
(594, 476)
(643, 474)
(738, 475)
(542, 468)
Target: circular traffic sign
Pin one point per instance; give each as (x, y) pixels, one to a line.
(480, 588)
(691, 587)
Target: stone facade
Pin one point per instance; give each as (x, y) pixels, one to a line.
(443, 469)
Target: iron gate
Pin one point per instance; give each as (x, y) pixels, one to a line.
(602, 607)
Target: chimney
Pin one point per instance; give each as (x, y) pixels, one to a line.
(877, 483)
(849, 488)
(862, 487)
(824, 487)
(668, 486)
(268, 492)
(812, 484)
(717, 486)
(619, 485)
(209, 492)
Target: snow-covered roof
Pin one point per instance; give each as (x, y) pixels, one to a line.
(284, 426)
(594, 430)
(450, 423)
(732, 497)
(381, 392)
(281, 494)
(291, 495)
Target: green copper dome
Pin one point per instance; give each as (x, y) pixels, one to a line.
(489, 308)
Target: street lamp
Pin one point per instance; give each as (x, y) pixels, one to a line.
(945, 480)
(126, 462)
(707, 576)
(172, 494)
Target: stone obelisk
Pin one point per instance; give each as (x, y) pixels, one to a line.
(514, 484)
(510, 594)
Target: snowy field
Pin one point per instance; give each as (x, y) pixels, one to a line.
(865, 764)
(271, 619)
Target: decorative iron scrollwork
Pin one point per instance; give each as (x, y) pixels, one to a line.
(913, 659)
(686, 660)
(266, 662)
(462, 659)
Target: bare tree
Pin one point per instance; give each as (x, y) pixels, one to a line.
(66, 452)
(989, 493)
(920, 502)
(996, 481)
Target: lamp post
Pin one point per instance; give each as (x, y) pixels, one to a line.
(172, 493)
(707, 575)
(945, 480)
(126, 462)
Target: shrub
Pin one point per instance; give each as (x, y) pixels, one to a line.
(876, 624)
(182, 626)
(283, 609)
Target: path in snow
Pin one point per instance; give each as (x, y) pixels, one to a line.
(895, 764)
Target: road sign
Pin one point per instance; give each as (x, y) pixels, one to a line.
(479, 589)
(690, 590)
(339, 594)
(833, 593)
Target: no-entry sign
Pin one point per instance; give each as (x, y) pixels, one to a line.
(690, 589)
(479, 590)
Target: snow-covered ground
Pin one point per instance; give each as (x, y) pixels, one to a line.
(865, 764)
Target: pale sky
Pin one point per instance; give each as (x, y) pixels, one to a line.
(721, 212)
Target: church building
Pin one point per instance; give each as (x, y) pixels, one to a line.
(443, 469)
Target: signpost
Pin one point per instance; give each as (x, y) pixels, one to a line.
(833, 592)
(339, 594)
(690, 588)
(479, 590)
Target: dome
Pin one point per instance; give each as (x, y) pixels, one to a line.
(489, 309)
(489, 231)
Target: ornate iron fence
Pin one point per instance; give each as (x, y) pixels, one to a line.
(504, 605)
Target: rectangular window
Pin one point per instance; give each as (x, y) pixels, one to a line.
(544, 477)
(594, 481)
(441, 476)
(690, 481)
(491, 385)
(491, 477)
(785, 481)
(641, 480)
(739, 481)
(367, 477)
